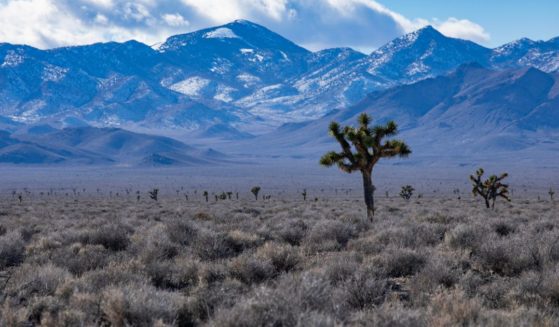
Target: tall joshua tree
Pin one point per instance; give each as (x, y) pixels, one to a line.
(255, 190)
(362, 148)
(489, 189)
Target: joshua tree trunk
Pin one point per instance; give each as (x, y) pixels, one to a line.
(368, 190)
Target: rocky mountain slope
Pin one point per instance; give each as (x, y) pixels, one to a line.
(470, 114)
(230, 81)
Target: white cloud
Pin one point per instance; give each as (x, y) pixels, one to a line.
(101, 3)
(101, 19)
(317, 24)
(463, 29)
(175, 20)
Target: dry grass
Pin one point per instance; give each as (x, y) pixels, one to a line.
(435, 262)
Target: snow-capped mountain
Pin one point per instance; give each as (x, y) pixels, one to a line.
(421, 54)
(525, 52)
(471, 114)
(228, 81)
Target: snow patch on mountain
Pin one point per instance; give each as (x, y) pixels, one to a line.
(248, 79)
(13, 59)
(191, 86)
(54, 73)
(221, 33)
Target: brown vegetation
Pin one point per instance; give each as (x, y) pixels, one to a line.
(119, 262)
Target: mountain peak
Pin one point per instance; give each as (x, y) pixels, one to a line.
(243, 22)
(428, 31)
(245, 34)
(424, 34)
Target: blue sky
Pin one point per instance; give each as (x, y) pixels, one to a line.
(505, 20)
(315, 24)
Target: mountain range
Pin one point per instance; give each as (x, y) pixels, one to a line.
(247, 85)
(43, 144)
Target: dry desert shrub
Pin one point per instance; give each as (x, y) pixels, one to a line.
(12, 250)
(434, 262)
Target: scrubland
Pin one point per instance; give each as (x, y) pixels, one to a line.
(425, 262)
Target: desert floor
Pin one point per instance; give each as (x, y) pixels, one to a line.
(70, 258)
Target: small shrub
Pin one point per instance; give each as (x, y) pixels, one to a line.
(363, 291)
(181, 232)
(212, 246)
(252, 270)
(204, 301)
(262, 309)
(114, 238)
(176, 275)
(329, 235)
(139, 305)
(294, 232)
(454, 309)
(390, 315)
(12, 250)
(283, 257)
(27, 232)
(506, 257)
(438, 272)
(31, 281)
(341, 269)
(204, 216)
(503, 228)
(79, 259)
(400, 263)
(465, 237)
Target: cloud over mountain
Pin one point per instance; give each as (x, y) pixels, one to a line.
(361, 24)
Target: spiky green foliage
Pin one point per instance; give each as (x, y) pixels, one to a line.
(362, 147)
(491, 188)
(154, 194)
(406, 192)
(255, 190)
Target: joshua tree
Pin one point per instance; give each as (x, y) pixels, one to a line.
(154, 194)
(489, 189)
(551, 193)
(406, 192)
(304, 194)
(229, 194)
(369, 147)
(206, 194)
(255, 190)
(223, 196)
